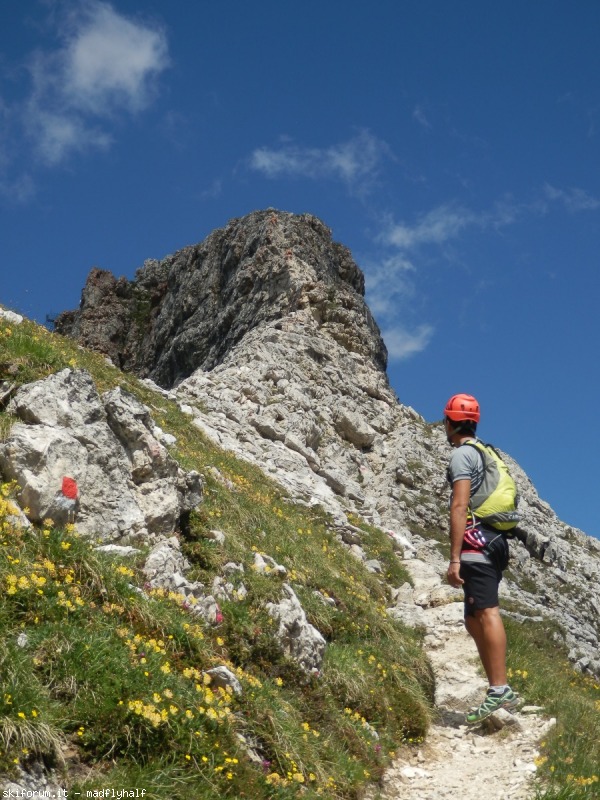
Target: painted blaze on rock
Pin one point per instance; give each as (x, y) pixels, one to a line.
(75, 451)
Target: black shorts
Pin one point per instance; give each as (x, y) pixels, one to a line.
(480, 586)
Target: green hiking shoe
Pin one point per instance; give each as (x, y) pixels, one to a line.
(493, 702)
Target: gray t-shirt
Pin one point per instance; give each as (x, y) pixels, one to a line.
(466, 463)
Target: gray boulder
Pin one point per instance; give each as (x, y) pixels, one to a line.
(128, 485)
(300, 640)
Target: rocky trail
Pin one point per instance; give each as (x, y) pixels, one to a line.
(495, 758)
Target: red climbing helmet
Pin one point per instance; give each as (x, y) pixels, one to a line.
(462, 407)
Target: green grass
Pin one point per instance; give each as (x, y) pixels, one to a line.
(569, 766)
(119, 679)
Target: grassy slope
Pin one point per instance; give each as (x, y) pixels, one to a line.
(120, 680)
(117, 681)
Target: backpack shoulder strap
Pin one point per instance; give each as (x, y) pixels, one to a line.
(482, 447)
(476, 444)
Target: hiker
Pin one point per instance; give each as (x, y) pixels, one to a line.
(483, 502)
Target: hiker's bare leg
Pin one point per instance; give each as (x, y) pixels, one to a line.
(487, 629)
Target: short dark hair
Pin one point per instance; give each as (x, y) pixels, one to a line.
(468, 426)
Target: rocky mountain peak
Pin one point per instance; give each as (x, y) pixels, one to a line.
(188, 310)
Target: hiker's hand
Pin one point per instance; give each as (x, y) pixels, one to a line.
(454, 578)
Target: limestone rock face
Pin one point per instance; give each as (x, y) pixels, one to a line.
(263, 333)
(332, 432)
(188, 310)
(128, 485)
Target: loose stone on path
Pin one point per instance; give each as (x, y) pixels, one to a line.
(455, 757)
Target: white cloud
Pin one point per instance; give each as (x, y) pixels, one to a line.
(444, 223)
(391, 281)
(420, 116)
(356, 162)
(390, 290)
(388, 284)
(574, 199)
(58, 134)
(111, 61)
(106, 64)
(215, 189)
(435, 227)
(20, 190)
(402, 344)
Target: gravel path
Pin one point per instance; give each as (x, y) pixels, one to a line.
(494, 760)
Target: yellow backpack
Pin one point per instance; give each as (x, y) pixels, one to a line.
(495, 502)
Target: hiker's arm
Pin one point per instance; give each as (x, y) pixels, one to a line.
(461, 494)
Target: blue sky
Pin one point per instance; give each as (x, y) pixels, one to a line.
(453, 147)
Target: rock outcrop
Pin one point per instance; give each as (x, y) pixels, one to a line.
(188, 310)
(300, 640)
(127, 485)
